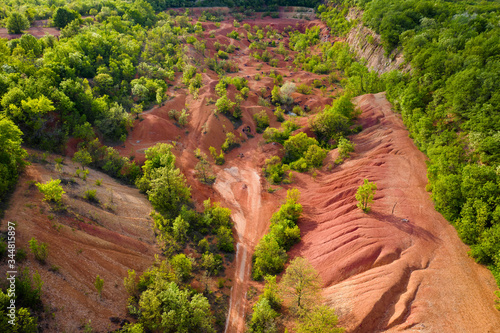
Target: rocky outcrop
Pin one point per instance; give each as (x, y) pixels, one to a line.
(367, 44)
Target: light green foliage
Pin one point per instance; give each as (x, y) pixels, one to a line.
(263, 318)
(315, 155)
(230, 142)
(39, 250)
(296, 146)
(224, 105)
(212, 263)
(99, 284)
(218, 158)
(319, 319)
(345, 147)
(223, 55)
(179, 229)
(273, 170)
(300, 285)
(234, 34)
(204, 171)
(334, 121)
(16, 23)
(365, 194)
(280, 114)
(269, 258)
(51, 190)
(182, 266)
(166, 308)
(90, 195)
(304, 89)
(271, 292)
(130, 283)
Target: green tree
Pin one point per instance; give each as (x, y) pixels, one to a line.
(263, 318)
(204, 172)
(168, 190)
(16, 23)
(182, 266)
(62, 17)
(319, 319)
(300, 285)
(166, 308)
(11, 155)
(365, 194)
(271, 292)
(83, 157)
(269, 258)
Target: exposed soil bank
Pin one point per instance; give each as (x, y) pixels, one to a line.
(402, 266)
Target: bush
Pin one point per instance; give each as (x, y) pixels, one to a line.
(40, 251)
(223, 55)
(182, 266)
(90, 195)
(234, 34)
(304, 89)
(16, 23)
(365, 195)
(51, 190)
(230, 142)
(262, 121)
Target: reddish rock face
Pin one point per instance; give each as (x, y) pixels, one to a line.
(401, 266)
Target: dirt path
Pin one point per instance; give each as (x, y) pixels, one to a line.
(248, 224)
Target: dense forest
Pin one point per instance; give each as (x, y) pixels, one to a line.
(449, 102)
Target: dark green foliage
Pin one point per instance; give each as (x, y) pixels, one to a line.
(11, 155)
(16, 23)
(62, 17)
(270, 254)
(261, 120)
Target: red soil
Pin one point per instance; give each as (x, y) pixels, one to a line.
(38, 30)
(396, 268)
(85, 241)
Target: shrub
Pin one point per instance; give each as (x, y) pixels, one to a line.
(90, 195)
(304, 89)
(223, 55)
(234, 34)
(51, 190)
(99, 284)
(230, 142)
(40, 251)
(219, 159)
(344, 147)
(262, 121)
(365, 195)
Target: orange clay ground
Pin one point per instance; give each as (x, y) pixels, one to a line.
(401, 267)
